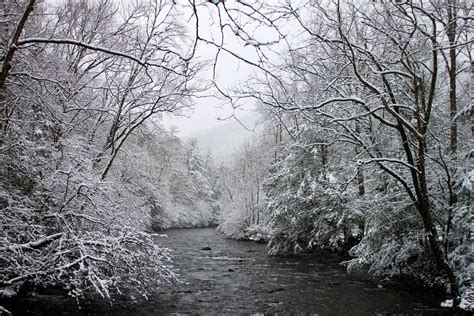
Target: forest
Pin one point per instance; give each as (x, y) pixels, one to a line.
(364, 145)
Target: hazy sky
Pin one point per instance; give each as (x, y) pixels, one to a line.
(206, 115)
(210, 112)
(229, 72)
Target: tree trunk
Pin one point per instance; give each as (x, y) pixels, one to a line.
(324, 161)
(7, 64)
(472, 99)
(12, 45)
(451, 31)
(440, 260)
(424, 210)
(360, 171)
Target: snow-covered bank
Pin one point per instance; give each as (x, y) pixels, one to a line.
(257, 233)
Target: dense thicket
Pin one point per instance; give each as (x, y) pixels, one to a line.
(85, 168)
(375, 107)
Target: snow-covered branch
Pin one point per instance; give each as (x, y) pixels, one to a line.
(391, 160)
(65, 41)
(32, 244)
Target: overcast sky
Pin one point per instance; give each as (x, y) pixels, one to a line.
(209, 112)
(211, 121)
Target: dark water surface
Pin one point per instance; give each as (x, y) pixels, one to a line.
(238, 277)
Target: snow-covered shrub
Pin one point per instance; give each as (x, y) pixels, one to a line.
(393, 243)
(462, 256)
(307, 203)
(62, 225)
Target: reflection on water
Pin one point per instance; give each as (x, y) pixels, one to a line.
(222, 276)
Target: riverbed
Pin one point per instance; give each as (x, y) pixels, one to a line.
(224, 276)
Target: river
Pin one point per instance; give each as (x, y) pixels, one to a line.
(238, 277)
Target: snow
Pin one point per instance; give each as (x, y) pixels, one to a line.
(7, 293)
(468, 181)
(467, 300)
(289, 193)
(4, 311)
(467, 304)
(447, 304)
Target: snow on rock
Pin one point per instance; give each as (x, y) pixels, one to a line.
(447, 304)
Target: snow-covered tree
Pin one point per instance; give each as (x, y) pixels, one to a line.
(373, 76)
(78, 80)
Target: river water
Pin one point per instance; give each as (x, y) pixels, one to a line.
(238, 277)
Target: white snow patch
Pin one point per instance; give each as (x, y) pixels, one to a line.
(7, 293)
(468, 181)
(447, 304)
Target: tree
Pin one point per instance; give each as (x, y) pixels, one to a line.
(106, 77)
(376, 68)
